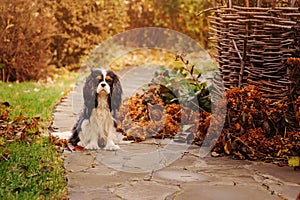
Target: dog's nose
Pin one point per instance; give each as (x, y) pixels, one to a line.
(103, 84)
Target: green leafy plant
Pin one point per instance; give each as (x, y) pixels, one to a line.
(182, 85)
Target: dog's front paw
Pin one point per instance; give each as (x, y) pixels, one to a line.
(80, 144)
(92, 146)
(110, 146)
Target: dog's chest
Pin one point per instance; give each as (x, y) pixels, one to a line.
(101, 115)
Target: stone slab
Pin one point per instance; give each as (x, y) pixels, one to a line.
(217, 192)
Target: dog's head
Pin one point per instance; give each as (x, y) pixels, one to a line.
(106, 81)
(102, 82)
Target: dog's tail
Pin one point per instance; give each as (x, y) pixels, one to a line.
(62, 135)
(74, 139)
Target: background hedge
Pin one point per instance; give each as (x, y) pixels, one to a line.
(37, 36)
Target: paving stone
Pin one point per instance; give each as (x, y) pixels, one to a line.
(91, 181)
(283, 173)
(180, 176)
(217, 192)
(285, 190)
(282, 180)
(78, 161)
(188, 162)
(146, 190)
(92, 194)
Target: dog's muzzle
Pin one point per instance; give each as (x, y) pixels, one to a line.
(103, 87)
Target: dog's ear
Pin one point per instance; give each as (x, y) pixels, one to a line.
(90, 95)
(116, 94)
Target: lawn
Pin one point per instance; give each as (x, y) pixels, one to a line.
(34, 99)
(30, 167)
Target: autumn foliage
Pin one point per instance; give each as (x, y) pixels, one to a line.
(254, 128)
(81, 25)
(38, 36)
(20, 128)
(25, 34)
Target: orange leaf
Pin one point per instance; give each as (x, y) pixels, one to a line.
(78, 148)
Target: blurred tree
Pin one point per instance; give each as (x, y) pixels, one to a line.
(25, 32)
(81, 25)
(178, 15)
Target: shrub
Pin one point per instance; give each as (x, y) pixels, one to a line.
(82, 25)
(24, 39)
(35, 35)
(178, 15)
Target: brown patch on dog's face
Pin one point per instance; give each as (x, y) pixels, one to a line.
(109, 80)
(100, 78)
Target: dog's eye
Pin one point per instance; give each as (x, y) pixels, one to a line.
(108, 79)
(99, 78)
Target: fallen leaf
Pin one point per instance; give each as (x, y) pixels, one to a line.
(215, 154)
(227, 147)
(78, 148)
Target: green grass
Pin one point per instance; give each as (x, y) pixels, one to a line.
(33, 169)
(33, 99)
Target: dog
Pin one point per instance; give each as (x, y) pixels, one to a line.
(95, 128)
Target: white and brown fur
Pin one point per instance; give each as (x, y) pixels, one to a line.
(102, 94)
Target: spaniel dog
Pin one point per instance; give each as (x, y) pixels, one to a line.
(102, 94)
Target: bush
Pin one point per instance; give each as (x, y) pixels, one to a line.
(35, 35)
(24, 39)
(82, 25)
(178, 15)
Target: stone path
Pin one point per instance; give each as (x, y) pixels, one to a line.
(165, 171)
